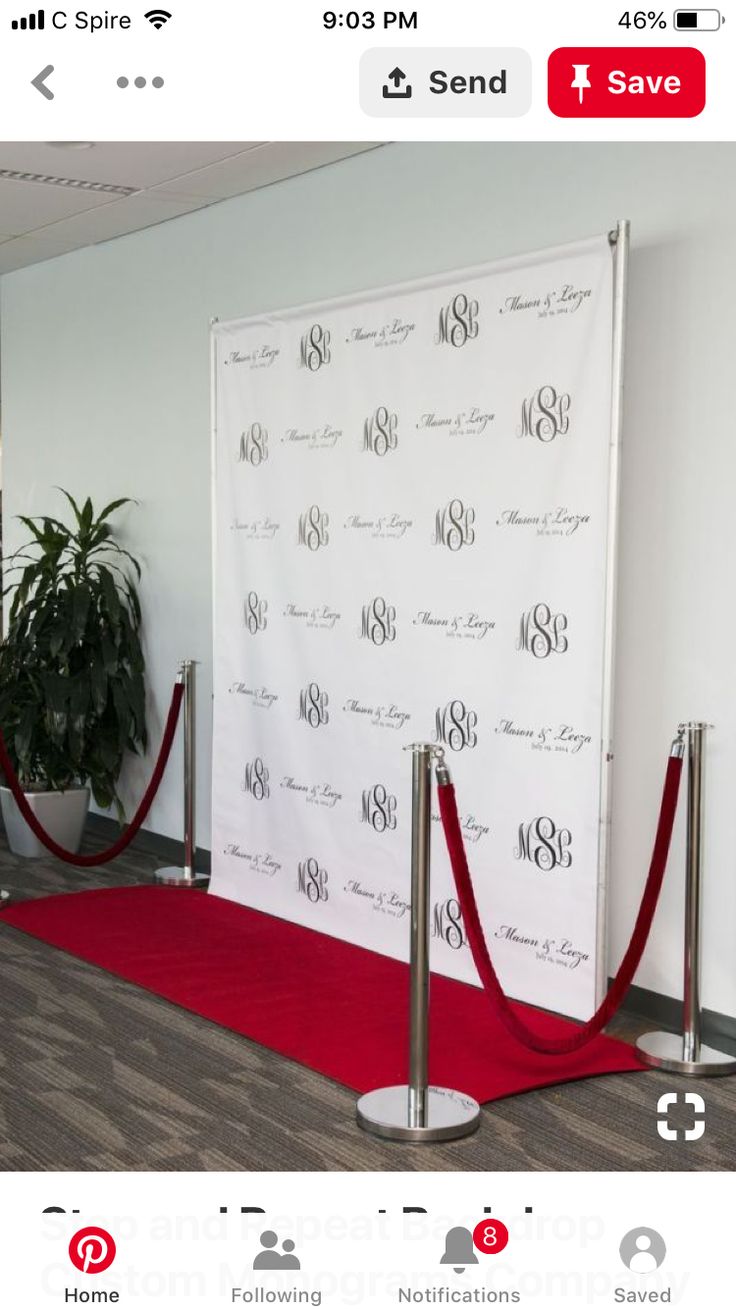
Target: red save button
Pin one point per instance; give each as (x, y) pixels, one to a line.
(608, 82)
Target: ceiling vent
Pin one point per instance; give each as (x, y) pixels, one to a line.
(69, 183)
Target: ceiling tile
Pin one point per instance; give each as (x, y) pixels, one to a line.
(25, 250)
(38, 221)
(24, 206)
(118, 218)
(259, 167)
(123, 163)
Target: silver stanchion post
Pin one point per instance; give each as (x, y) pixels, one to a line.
(186, 876)
(687, 1053)
(419, 1112)
(4, 899)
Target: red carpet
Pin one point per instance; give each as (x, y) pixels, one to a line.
(330, 1006)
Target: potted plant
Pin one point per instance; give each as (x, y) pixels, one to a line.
(72, 694)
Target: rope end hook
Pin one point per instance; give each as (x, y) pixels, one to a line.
(441, 771)
(678, 745)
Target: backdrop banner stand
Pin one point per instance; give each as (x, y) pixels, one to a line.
(186, 876)
(686, 1053)
(419, 1112)
(415, 494)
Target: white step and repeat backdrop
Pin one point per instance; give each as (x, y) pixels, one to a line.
(411, 509)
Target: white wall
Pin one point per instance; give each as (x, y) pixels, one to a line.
(105, 390)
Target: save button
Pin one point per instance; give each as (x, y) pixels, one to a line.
(613, 82)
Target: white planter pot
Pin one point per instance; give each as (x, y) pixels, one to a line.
(61, 813)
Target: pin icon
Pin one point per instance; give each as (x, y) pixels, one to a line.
(92, 1250)
(580, 81)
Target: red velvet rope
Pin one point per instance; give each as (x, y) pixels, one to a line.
(124, 840)
(630, 961)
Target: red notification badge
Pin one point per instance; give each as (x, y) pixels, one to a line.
(623, 82)
(491, 1236)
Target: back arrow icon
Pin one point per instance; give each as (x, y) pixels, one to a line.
(40, 79)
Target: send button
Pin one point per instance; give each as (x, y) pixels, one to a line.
(427, 83)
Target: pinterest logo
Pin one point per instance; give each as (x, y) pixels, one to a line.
(92, 1250)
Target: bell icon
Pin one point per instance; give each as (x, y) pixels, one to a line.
(459, 1249)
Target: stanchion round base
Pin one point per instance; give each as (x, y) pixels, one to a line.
(664, 1050)
(449, 1114)
(4, 899)
(180, 877)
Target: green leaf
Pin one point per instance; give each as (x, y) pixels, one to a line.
(24, 736)
(81, 600)
(113, 505)
(73, 504)
(109, 654)
(98, 684)
(122, 710)
(110, 592)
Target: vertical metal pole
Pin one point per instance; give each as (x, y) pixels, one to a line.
(187, 876)
(416, 1111)
(619, 240)
(687, 1053)
(189, 768)
(691, 1032)
(421, 816)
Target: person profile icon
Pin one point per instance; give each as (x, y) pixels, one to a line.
(642, 1250)
(269, 1257)
(643, 1261)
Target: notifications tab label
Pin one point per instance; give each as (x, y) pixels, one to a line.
(612, 82)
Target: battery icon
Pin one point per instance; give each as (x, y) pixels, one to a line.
(698, 20)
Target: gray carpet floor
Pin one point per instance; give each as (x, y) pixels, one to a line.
(96, 1074)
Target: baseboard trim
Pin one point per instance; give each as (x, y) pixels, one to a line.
(718, 1029)
(165, 848)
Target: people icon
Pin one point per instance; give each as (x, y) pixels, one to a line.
(270, 1258)
(643, 1250)
(289, 1259)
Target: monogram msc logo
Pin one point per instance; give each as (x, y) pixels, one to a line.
(458, 322)
(542, 633)
(255, 780)
(313, 704)
(314, 351)
(542, 843)
(545, 414)
(312, 881)
(254, 613)
(454, 526)
(253, 448)
(447, 924)
(379, 809)
(378, 622)
(313, 525)
(379, 432)
(454, 726)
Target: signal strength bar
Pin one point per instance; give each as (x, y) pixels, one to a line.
(33, 23)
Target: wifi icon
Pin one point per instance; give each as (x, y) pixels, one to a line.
(158, 17)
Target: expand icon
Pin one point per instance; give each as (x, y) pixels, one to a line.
(664, 1125)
